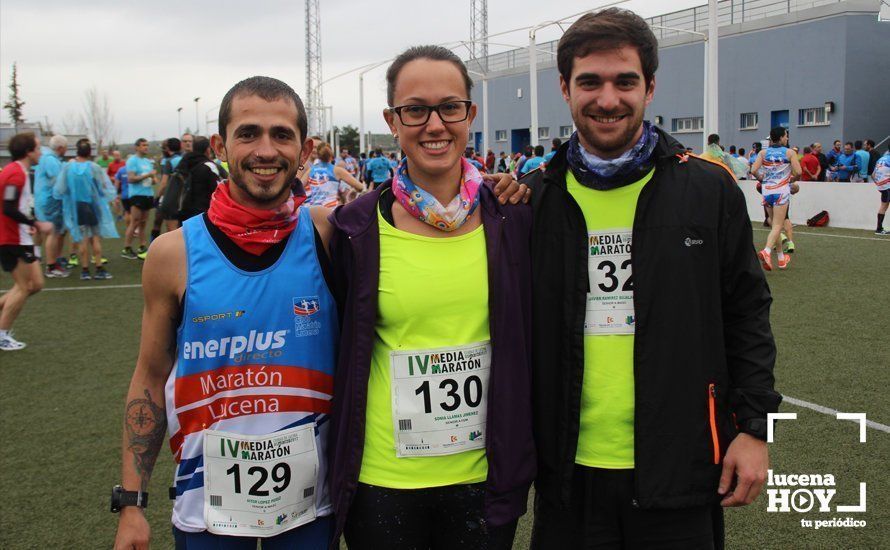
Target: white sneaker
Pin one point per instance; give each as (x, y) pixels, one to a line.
(8, 343)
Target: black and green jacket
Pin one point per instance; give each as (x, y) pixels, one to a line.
(703, 350)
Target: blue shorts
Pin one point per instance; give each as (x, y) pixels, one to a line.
(885, 195)
(312, 536)
(778, 199)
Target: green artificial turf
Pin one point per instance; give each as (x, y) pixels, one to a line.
(62, 399)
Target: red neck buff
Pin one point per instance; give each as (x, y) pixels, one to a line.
(254, 230)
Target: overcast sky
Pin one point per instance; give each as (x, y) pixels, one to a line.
(154, 56)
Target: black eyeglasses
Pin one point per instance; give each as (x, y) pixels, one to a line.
(418, 115)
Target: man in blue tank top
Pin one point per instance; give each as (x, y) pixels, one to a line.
(237, 352)
(238, 345)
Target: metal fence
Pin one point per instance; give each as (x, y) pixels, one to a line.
(729, 12)
(694, 19)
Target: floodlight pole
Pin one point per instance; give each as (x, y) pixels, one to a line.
(712, 120)
(485, 114)
(484, 77)
(361, 113)
(208, 120)
(361, 101)
(533, 85)
(197, 126)
(179, 121)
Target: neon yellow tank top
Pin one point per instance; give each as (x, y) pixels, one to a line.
(606, 436)
(433, 293)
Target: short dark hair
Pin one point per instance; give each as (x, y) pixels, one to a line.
(84, 148)
(433, 53)
(807, 150)
(713, 138)
(528, 150)
(22, 144)
(267, 88)
(539, 150)
(732, 148)
(608, 29)
(777, 133)
(850, 143)
(741, 151)
(556, 143)
(837, 141)
(870, 143)
(174, 145)
(857, 144)
(200, 145)
(140, 141)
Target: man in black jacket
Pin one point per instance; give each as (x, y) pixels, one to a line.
(653, 353)
(202, 176)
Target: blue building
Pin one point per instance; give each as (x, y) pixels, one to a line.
(819, 68)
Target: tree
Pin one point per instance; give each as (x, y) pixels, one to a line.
(97, 116)
(15, 103)
(73, 124)
(349, 139)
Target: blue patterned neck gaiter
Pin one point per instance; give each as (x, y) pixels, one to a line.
(602, 175)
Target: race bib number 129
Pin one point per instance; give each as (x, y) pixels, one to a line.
(610, 303)
(439, 399)
(259, 486)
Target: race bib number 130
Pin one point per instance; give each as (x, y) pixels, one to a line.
(610, 303)
(439, 399)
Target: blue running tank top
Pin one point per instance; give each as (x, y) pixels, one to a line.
(255, 355)
(776, 171)
(323, 185)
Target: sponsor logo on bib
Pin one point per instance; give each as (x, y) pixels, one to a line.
(234, 346)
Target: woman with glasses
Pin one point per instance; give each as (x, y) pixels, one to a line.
(431, 441)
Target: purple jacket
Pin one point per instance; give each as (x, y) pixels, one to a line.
(510, 449)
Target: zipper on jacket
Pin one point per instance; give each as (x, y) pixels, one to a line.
(712, 413)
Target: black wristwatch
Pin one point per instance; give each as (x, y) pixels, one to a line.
(121, 498)
(755, 427)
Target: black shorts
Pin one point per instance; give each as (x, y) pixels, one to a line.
(885, 195)
(86, 214)
(144, 203)
(10, 254)
(126, 204)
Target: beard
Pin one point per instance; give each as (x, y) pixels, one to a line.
(262, 194)
(611, 145)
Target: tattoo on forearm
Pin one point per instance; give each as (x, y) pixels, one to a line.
(146, 425)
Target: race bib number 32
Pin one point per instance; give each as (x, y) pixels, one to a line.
(259, 486)
(610, 303)
(439, 399)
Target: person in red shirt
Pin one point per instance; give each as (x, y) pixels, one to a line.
(809, 165)
(116, 164)
(18, 254)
